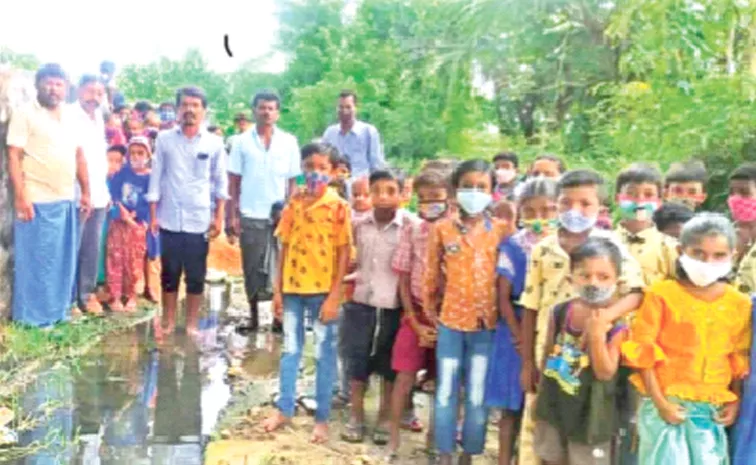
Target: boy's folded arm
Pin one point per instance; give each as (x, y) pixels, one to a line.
(625, 305)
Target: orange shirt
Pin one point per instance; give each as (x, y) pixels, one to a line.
(461, 267)
(696, 347)
(311, 236)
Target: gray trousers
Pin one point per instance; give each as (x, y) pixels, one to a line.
(256, 243)
(88, 261)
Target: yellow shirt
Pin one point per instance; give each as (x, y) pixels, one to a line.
(311, 236)
(745, 280)
(547, 282)
(49, 146)
(696, 347)
(655, 252)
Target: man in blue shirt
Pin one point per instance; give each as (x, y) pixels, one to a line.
(358, 141)
(188, 172)
(264, 162)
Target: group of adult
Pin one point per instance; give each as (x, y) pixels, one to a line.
(58, 171)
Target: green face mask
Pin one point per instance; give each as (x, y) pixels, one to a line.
(641, 211)
(540, 226)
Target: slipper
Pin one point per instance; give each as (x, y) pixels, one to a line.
(380, 436)
(412, 424)
(353, 434)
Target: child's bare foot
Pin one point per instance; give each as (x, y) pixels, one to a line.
(131, 305)
(274, 422)
(117, 305)
(445, 459)
(319, 433)
(465, 459)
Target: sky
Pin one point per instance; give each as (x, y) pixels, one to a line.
(79, 34)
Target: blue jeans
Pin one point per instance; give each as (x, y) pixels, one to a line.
(461, 355)
(295, 307)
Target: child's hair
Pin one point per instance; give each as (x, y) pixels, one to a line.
(596, 247)
(539, 187)
(430, 178)
(744, 172)
(561, 165)
(707, 225)
(670, 213)
(321, 148)
(471, 166)
(212, 128)
(507, 156)
(344, 161)
(583, 178)
(118, 148)
(689, 171)
(640, 173)
(445, 166)
(388, 175)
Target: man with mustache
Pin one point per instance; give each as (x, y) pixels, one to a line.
(92, 129)
(358, 141)
(188, 171)
(264, 162)
(45, 159)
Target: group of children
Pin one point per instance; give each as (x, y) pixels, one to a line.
(598, 342)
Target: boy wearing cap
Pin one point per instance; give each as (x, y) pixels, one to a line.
(127, 234)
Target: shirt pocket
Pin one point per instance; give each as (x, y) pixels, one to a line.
(201, 167)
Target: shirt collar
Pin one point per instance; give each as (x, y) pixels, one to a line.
(353, 130)
(330, 196)
(178, 130)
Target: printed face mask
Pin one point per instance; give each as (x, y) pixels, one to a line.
(540, 226)
(743, 209)
(596, 294)
(138, 164)
(575, 222)
(505, 176)
(691, 202)
(473, 201)
(704, 274)
(639, 211)
(167, 116)
(431, 210)
(316, 182)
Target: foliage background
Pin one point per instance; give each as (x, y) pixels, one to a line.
(601, 82)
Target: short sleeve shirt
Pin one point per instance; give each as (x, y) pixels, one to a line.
(312, 236)
(49, 146)
(745, 280)
(411, 255)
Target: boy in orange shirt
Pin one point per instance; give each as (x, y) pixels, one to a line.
(316, 233)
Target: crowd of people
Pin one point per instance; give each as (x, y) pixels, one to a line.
(599, 335)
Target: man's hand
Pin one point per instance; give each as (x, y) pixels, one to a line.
(24, 209)
(727, 415)
(329, 311)
(277, 305)
(154, 226)
(85, 206)
(215, 228)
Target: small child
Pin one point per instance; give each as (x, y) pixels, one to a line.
(371, 318)
(127, 234)
(362, 205)
(116, 155)
(742, 203)
(639, 189)
(576, 412)
(407, 194)
(538, 216)
(114, 131)
(605, 220)
(460, 299)
(689, 344)
(686, 183)
(341, 181)
(414, 347)
(505, 170)
(671, 217)
(547, 166)
(315, 233)
(548, 282)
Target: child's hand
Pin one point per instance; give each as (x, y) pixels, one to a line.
(672, 413)
(598, 323)
(277, 306)
(329, 311)
(427, 335)
(529, 377)
(727, 415)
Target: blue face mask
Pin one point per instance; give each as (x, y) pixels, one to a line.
(167, 116)
(575, 222)
(316, 181)
(473, 201)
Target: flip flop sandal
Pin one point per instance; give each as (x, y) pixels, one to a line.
(414, 425)
(353, 434)
(380, 436)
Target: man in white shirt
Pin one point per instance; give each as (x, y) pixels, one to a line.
(91, 93)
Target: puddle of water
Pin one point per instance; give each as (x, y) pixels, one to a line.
(128, 403)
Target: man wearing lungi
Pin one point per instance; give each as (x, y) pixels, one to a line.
(45, 160)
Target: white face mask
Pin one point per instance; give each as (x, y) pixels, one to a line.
(505, 176)
(704, 274)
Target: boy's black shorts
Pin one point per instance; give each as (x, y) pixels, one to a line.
(368, 335)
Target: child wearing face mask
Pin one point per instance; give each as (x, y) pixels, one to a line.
(414, 347)
(742, 203)
(639, 189)
(689, 346)
(537, 206)
(505, 172)
(544, 166)
(576, 412)
(685, 183)
(548, 282)
(127, 233)
(460, 299)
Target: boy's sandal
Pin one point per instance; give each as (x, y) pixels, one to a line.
(352, 433)
(380, 436)
(414, 424)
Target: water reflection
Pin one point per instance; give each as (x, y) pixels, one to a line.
(128, 402)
